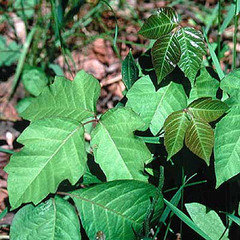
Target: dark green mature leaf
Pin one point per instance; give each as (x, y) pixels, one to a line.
(55, 219)
(231, 84)
(54, 151)
(227, 146)
(205, 86)
(207, 220)
(175, 128)
(192, 51)
(200, 139)
(34, 80)
(116, 208)
(69, 99)
(9, 53)
(207, 109)
(118, 152)
(130, 71)
(166, 54)
(154, 107)
(160, 24)
(187, 220)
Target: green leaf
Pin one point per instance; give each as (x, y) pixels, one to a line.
(200, 139)
(64, 98)
(207, 109)
(34, 80)
(175, 128)
(207, 220)
(55, 219)
(187, 220)
(54, 151)
(118, 152)
(116, 208)
(25, 8)
(166, 54)
(154, 107)
(234, 218)
(130, 71)
(205, 86)
(9, 53)
(23, 104)
(231, 84)
(227, 146)
(159, 24)
(192, 49)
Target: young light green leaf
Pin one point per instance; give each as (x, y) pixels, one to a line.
(227, 146)
(115, 208)
(54, 151)
(200, 139)
(160, 24)
(207, 109)
(166, 54)
(187, 220)
(154, 107)
(55, 219)
(207, 220)
(70, 99)
(34, 80)
(118, 152)
(205, 86)
(192, 51)
(234, 218)
(130, 71)
(175, 128)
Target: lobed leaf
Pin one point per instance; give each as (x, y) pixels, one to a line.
(116, 208)
(160, 24)
(227, 146)
(207, 109)
(118, 152)
(192, 50)
(69, 99)
(205, 86)
(55, 219)
(207, 220)
(130, 71)
(54, 151)
(200, 139)
(166, 54)
(175, 128)
(154, 107)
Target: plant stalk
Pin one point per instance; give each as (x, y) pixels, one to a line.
(236, 16)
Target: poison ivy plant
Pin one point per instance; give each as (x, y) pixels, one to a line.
(110, 164)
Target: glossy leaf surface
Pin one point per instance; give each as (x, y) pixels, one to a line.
(166, 54)
(54, 151)
(159, 24)
(115, 208)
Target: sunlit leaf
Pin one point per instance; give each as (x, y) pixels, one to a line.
(227, 146)
(207, 109)
(192, 51)
(165, 55)
(159, 24)
(55, 219)
(118, 152)
(200, 139)
(54, 151)
(207, 220)
(116, 208)
(175, 128)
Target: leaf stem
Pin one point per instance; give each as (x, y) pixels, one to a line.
(91, 121)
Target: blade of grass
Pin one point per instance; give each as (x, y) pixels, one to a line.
(3, 213)
(186, 220)
(214, 57)
(228, 18)
(6, 150)
(153, 140)
(212, 18)
(236, 16)
(21, 60)
(219, 25)
(233, 218)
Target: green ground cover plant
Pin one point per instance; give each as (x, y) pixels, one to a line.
(113, 187)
